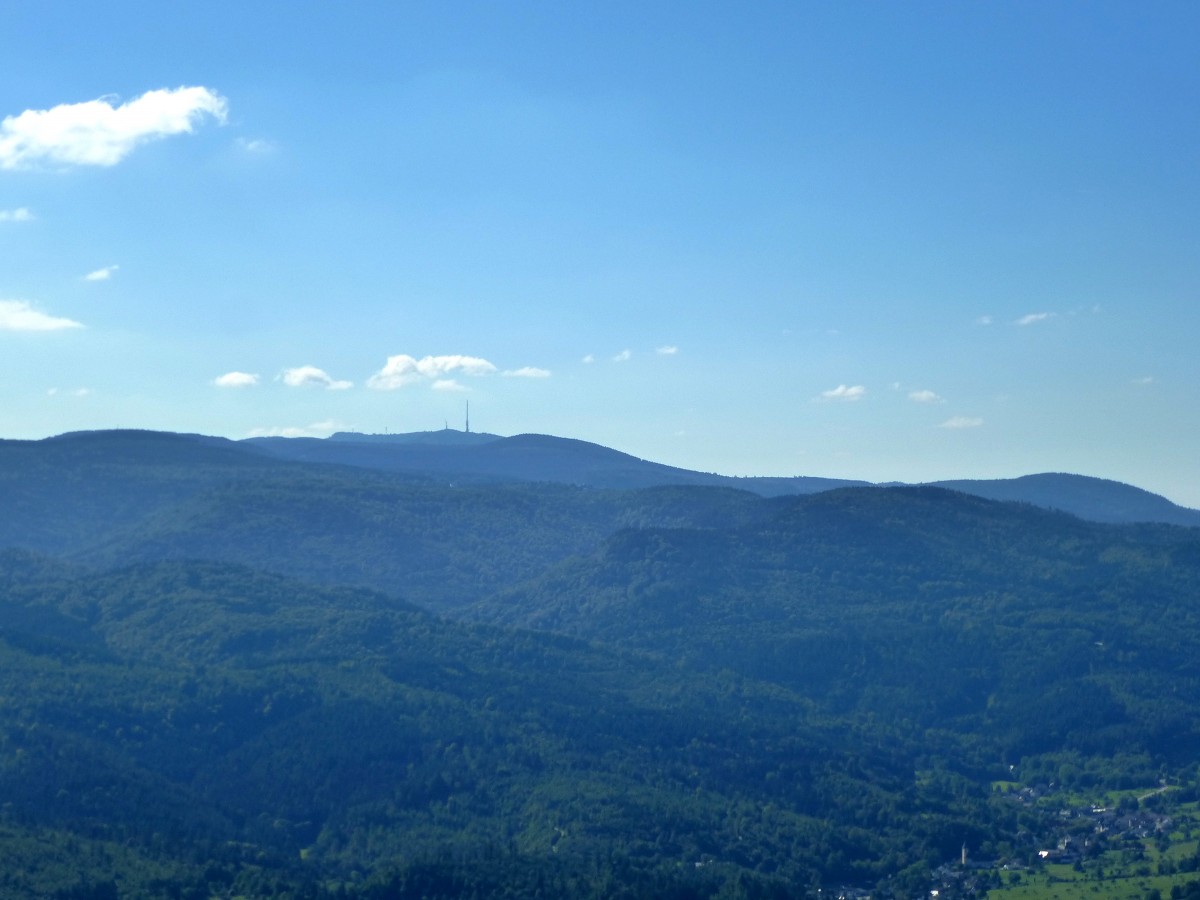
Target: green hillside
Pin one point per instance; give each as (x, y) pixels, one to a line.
(223, 675)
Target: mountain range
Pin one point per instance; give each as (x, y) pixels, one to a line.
(447, 664)
(536, 457)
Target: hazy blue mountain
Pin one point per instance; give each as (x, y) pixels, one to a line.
(463, 456)
(527, 457)
(111, 498)
(447, 437)
(65, 492)
(1097, 499)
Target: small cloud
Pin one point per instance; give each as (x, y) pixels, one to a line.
(20, 214)
(961, 422)
(925, 396)
(311, 376)
(667, 350)
(588, 360)
(236, 380)
(844, 392)
(403, 370)
(1145, 379)
(984, 320)
(1034, 318)
(449, 384)
(101, 274)
(78, 392)
(623, 356)
(96, 133)
(528, 372)
(17, 315)
(317, 429)
(256, 146)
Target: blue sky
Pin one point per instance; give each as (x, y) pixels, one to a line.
(866, 240)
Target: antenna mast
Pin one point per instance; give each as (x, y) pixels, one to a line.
(468, 428)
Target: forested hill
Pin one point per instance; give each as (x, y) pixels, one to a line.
(227, 673)
(1029, 630)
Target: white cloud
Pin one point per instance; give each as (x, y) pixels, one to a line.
(311, 376)
(17, 315)
(984, 320)
(961, 422)
(257, 146)
(317, 429)
(844, 392)
(236, 380)
(101, 274)
(1145, 379)
(528, 372)
(78, 392)
(403, 370)
(667, 350)
(925, 396)
(623, 356)
(588, 360)
(20, 214)
(96, 133)
(449, 384)
(1033, 318)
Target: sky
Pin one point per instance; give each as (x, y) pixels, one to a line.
(887, 241)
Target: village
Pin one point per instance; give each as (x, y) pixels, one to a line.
(1139, 837)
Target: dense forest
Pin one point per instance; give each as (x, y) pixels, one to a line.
(228, 673)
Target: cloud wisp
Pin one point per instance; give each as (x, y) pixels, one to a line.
(256, 146)
(20, 214)
(18, 315)
(316, 429)
(101, 274)
(667, 350)
(1034, 318)
(959, 422)
(311, 376)
(925, 396)
(844, 393)
(236, 380)
(527, 372)
(403, 370)
(97, 133)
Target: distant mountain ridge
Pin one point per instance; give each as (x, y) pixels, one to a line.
(458, 457)
(1097, 499)
(539, 457)
(523, 457)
